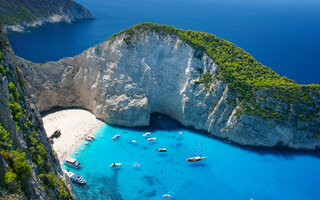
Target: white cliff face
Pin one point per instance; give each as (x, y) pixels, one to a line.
(123, 84)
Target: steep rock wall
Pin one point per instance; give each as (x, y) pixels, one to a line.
(124, 79)
(29, 168)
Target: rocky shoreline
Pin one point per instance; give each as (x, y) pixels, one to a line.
(74, 13)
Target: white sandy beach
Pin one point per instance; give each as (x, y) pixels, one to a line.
(75, 125)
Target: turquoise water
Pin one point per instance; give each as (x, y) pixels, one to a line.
(229, 172)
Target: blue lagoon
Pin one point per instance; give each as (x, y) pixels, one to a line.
(229, 172)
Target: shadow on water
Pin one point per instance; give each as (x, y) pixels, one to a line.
(197, 165)
(156, 123)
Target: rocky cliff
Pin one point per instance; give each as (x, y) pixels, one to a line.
(151, 68)
(17, 15)
(29, 168)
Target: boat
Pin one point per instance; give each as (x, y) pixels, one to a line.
(88, 138)
(116, 136)
(195, 158)
(133, 141)
(55, 134)
(86, 143)
(151, 139)
(92, 137)
(180, 133)
(76, 178)
(147, 133)
(162, 150)
(166, 195)
(71, 162)
(115, 164)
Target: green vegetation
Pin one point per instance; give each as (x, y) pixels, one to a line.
(14, 12)
(5, 142)
(19, 168)
(249, 81)
(2, 70)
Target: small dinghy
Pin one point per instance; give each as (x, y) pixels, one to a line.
(166, 195)
(71, 162)
(76, 178)
(151, 139)
(147, 133)
(86, 143)
(116, 136)
(162, 150)
(88, 138)
(115, 164)
(133, 141)
(180, 133)
(92, 137)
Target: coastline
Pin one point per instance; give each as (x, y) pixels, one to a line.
(75, 125)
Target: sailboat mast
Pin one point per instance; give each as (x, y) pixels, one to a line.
(195, 150)
(201, 150)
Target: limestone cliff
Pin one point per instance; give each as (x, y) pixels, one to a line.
(143, 70)
(29, 168)
(17, 15)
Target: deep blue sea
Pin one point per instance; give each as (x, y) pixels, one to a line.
(282, 34)
(229, 172)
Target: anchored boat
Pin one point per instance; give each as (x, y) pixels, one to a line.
(76, 178)
(115, 164)
(116, 136)
(71, 162)
(151, 139)
(196, 158)
(162, 150)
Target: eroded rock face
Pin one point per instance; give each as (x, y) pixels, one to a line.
(123, 81)
(20, 132)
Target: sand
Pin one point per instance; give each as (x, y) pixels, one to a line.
(75, 125)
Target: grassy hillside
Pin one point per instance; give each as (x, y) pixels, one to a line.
(250, 81)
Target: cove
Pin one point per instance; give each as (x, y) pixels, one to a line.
(229, 172)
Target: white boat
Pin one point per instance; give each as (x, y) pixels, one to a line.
(76, 178)
(180, 133)
(151, 139)
(133, 141)
(71, 162)
(116, 136)
(88, 138)
(92, 137)
(162, 150)
(115, 164)
(147, 133)
(86, 143)
(166, 195)
(196, 158)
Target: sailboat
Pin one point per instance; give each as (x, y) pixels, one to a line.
(196, 158)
